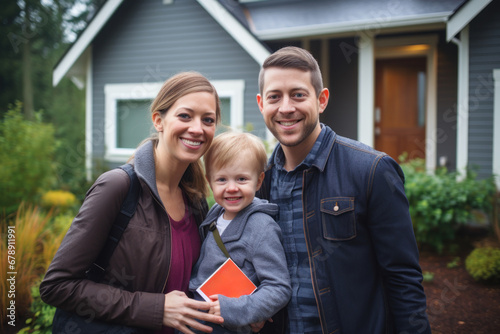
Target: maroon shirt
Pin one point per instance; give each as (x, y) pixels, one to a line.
(186, 245)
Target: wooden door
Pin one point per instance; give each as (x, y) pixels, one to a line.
(400, 107)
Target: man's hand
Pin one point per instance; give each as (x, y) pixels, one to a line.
(215, 308)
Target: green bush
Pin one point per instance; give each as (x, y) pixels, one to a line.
(439, 204)
(483, 264)
(26, 155)
(42, 314)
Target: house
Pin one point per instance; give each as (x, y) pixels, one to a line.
(415, 76)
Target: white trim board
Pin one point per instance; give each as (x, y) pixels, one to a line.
(89, 119)
(233, 89)
(235, 29)
(496, 127)
(240, 34)
(463, 17)
(78, 48)
(463, 102)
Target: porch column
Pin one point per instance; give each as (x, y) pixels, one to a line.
(463, 102)
(496, 127)
(366, 91)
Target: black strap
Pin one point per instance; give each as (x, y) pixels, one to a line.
(97, 269)
(218, 240)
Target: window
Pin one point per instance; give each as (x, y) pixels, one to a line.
(128, 119)
(231, 103)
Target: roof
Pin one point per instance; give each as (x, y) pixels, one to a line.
(73, 61)
(274, 19)
(250, 22)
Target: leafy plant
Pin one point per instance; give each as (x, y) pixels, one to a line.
(26, 152)
(28, 231)
(37, 235)
(428, 276)
(483, 264)
(42, 314)
(453, 263)
(60, 199)
(440, 203)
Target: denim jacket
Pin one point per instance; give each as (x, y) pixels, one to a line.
(363, 255)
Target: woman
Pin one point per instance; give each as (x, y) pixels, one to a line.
(148, 274)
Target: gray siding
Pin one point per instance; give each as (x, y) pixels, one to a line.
(342, 111)
(484, 57)
(146, 41)
(447, 103)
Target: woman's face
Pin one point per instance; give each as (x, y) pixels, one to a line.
(188, 127)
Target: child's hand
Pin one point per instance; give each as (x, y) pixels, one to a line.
(215, 308)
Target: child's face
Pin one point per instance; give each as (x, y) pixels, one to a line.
(234, 185)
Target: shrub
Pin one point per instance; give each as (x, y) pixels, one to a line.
(60, 199)
(440, 204)
(483, 264)
(42, 314)
(28, 228)
(38, 235)
(26, 153)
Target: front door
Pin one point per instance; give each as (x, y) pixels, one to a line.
(400, 107)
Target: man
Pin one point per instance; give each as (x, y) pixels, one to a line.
(347, 232)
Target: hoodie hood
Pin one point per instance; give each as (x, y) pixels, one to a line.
(235, 229)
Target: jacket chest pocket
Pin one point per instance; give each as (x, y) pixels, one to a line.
(338, 218)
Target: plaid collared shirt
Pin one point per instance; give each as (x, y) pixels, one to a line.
(286, 191)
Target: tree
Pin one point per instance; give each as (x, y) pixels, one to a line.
(33, 37)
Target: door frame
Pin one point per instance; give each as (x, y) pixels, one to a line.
(425, 46)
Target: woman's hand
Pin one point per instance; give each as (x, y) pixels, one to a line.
(181, 312)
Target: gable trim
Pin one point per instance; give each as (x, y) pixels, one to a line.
(81, 44)
(236, 30)
(463, 17)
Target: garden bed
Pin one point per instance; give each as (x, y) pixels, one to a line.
(455, 302)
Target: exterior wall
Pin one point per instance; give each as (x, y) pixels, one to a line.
(147, 42)
(484, 54)
(447, 104)
(342, 111)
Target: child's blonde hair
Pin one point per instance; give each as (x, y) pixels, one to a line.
(228, 146)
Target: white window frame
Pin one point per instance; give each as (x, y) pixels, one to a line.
(232, 89)
(114, 93)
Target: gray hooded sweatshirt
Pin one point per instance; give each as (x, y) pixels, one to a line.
(253, 240)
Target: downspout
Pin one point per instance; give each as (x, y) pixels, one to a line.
(462, 102)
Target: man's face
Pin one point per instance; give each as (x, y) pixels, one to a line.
(290, 106)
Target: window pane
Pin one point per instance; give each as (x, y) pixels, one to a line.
(133, 123)
(225, 111)
(421, 98)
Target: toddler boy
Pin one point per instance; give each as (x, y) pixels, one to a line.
(235, 166)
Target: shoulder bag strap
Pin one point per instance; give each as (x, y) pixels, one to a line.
(218, 240)
(97, 269)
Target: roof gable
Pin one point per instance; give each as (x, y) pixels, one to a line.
(73, 58)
